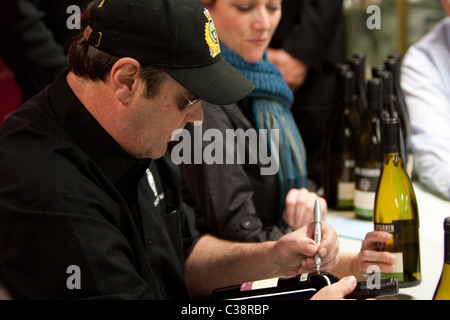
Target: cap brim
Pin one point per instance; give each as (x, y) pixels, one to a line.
(218, 83)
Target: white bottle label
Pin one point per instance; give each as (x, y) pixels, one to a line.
(364, 202)
(260, 284)
(398, 264)
(346, 190)
(304, 277)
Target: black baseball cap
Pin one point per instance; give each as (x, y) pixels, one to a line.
(177, 35)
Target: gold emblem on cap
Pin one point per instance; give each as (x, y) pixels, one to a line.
(101, 4)
(211, 35)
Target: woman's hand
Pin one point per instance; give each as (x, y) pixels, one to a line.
(300, 208)
(368, 256)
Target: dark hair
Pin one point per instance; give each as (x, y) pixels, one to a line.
(88, 62)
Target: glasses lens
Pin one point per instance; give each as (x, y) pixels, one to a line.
(190, 102)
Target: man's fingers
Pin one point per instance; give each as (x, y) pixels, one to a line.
(337, 290)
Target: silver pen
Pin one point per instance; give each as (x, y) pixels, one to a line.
(317, 231)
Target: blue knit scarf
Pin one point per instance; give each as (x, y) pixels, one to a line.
(271, 102)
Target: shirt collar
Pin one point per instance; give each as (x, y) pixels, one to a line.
(89, 135)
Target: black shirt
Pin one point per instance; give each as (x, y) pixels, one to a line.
(232, 201)
(70, 196)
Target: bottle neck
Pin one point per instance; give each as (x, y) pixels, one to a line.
(390, 133)
(391, 145)
(349, 90)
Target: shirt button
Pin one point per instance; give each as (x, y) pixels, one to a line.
(149, 240)
(247, 224)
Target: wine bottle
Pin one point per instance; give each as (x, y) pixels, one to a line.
(338, 83)
(390, 107)
(376, 70)
(393, 65)
(358, 64)
(443, 288)
(340, 147)
(396, 211)
(389, 110)
(369, 156)
(301, 287)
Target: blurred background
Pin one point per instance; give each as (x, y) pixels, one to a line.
(402, 23)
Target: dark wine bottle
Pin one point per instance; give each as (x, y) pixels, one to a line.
(340, 147)
(358, 64)
(369, 156)
(301, 287)
(389, 110)
(376, 70)
(443, 288)
(393, 65)
(396, 209)
(339, 69)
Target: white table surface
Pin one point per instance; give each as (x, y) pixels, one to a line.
(432, 212)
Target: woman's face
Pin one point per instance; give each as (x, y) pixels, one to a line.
(246, 26)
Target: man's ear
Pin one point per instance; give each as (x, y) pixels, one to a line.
(123, 77)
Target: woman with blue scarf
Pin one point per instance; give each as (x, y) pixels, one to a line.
(235, 201)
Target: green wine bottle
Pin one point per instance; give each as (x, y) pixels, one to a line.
(358, 65)
(369, 156)
(396, 211)
(443, 288)
(340, 147)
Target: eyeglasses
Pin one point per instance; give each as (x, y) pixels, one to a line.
(190, 102)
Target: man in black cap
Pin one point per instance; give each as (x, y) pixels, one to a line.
(84, 210)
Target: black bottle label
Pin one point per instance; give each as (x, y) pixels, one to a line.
(405, 246)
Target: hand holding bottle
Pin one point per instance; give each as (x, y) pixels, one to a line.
(368, 255)
(396, 210)
(295, 251)
(338, 290)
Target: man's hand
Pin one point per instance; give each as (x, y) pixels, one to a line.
(336, 291)
(295, 251)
